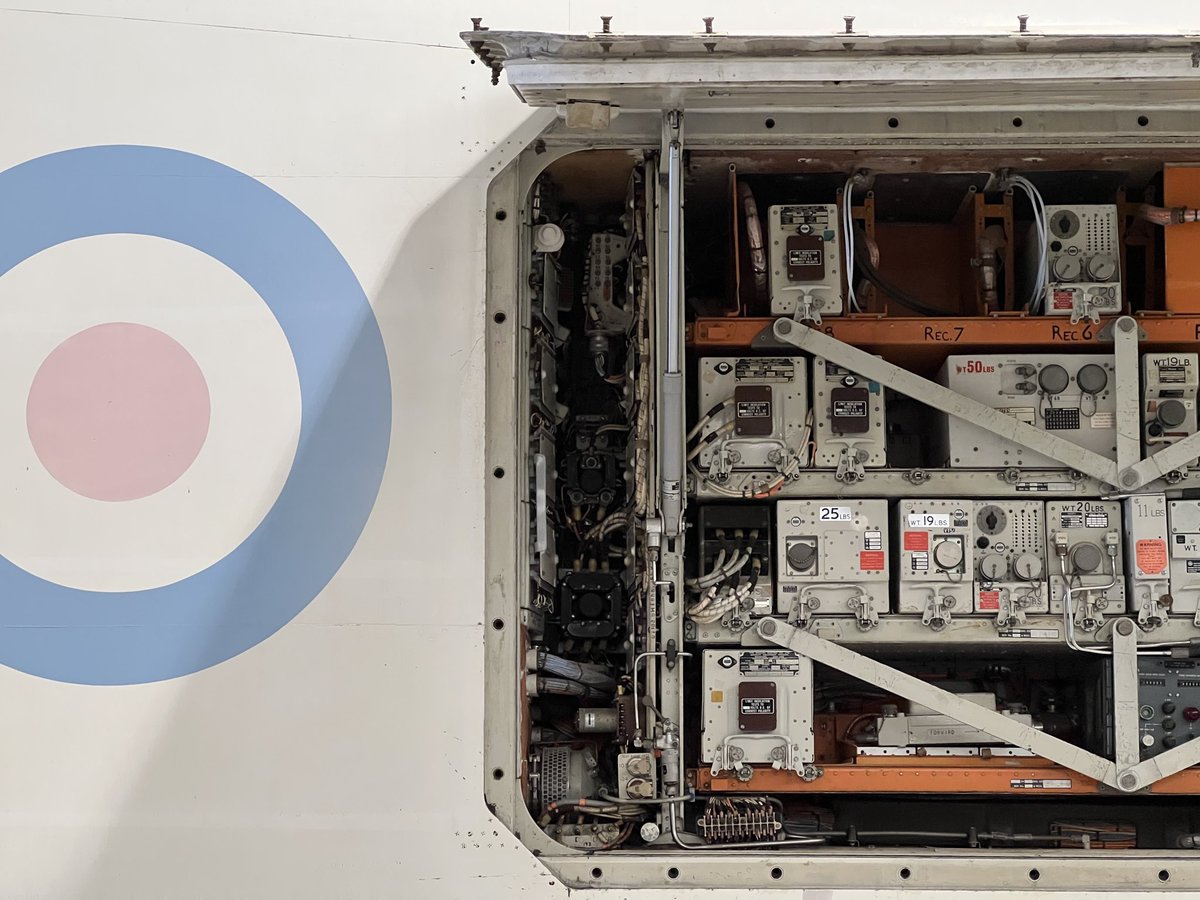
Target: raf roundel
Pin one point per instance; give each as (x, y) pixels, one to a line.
(131, 420)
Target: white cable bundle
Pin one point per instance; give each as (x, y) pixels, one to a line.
(848, 241)
(1037, 298)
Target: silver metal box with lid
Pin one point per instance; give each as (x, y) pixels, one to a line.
(849, 421)
(1084, 261)
(935, 547)
(1010, 560)
(1169, 386)
(757, 708)
(1071, 396)
(1148, 571)
(832, 556)
(1083, 547)
(1183, 523)
(806, 273)
(755, 411)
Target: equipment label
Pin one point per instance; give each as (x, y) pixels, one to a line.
(849, 409)
(1193, 566)
(871, 560)
(873, 540)
(989, 601)
(916, 540)
(835, 514)
(1105, 419)
(928, 520)
(1064, 299)
(758, 706)
(1041, 633)
(765, 661)
(754, 409)
(1059, 784)
(1151, 556)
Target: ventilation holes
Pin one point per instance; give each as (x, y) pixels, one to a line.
(498, 472)
(498, 774)
(1143, 121)
(597, 872)
(904, 873)
(499, 318)
(1034, 874)
(893, 122)
(498, 624)
(777, 873)
(672, 873)
(769, 123)
(1163, 874)
(1017, 122)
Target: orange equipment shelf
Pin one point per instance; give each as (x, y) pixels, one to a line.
(1181, 187)
(1026, 776)
(925, 342)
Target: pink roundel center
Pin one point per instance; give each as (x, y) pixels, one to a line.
(118, 411)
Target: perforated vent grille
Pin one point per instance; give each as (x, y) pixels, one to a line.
(1098, 227)
(1025, 530)
(555, 775)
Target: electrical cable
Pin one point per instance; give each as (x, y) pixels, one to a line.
(862, 258)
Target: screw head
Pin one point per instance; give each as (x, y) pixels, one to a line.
(767, 627)
(1124, 627)
(849, 20)
(708, 20)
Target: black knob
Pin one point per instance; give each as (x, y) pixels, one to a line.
(1053, 379)
(1168, 741)
(1172, 413)
(801, 556)
(1168, 707)
(1168, 724)
(1092, 379)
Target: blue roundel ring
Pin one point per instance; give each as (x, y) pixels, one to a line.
(97, 637)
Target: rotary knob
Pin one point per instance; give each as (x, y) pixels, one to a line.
(948, 555)
(1171, 413)
(1053, 379)
(1067, 268)
(1101, 267)
(801, 556)
(1086, 558)
(992, 567)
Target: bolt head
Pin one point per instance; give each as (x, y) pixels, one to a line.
(767, 627)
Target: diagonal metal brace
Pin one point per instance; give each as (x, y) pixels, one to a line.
(989, 721)
(942, 398)
(1173, 458)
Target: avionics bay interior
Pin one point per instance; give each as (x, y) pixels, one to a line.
(843, 522)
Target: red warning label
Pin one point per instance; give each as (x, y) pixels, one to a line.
(1064, 299)
(871, 560)
(989, 601)
(916, 540)
(1151, 556)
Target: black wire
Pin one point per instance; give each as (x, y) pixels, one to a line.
(862, 259)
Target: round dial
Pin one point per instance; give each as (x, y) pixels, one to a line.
(948, 555)
(1092, 379)
(1086, 557)
(1101, 267)
(801, 556)
(1028, 567)
(1053, 379)
(1067, 268)
(1171, 413)
(992, 567)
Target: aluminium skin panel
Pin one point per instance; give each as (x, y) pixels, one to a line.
(195, 786)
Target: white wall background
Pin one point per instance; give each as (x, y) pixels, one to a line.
(340, 758)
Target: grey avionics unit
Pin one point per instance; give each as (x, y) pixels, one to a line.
(757, 409)
(1070, 396)
(1083, 261)
(758, 708)
(1169, 387)
(1083, 546)
(1010, 559)
(804, 244)
(832, 557)
(1148, 579)
(1183, 524)
(936, 544)
(849, 421)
